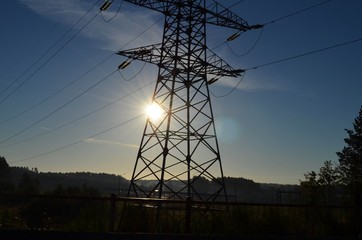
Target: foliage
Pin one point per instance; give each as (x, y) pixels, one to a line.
(346, 173)
(3, 164)
(317, 187)
(350, 159)
(6, 185)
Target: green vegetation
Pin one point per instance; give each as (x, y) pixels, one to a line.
(340, 182)
(339, 179)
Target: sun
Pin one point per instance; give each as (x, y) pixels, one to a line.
(154, 111)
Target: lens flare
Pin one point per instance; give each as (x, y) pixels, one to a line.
(154, 111)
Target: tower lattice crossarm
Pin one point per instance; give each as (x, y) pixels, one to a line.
(215, 13)
(214, 65)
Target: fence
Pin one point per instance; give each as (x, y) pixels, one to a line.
(131, 215)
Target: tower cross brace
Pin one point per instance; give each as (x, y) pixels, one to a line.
(180, 151)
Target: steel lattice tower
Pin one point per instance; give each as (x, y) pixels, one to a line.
(181, 149)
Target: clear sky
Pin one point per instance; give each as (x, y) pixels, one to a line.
(282, 120)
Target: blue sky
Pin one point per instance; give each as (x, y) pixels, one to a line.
(281, 121)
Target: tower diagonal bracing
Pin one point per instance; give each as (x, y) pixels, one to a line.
(180, 150)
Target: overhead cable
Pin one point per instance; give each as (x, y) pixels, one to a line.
(231, 5)
(26, 53)
(274, 21)
(51, 57)
(297, 12)
(55, 93)
(304, 54)
(77, 79)
(236, 3)
(252, 68)
(79, 141)
(59, 108)
(77, 119)
(51, 47)
(287, 59)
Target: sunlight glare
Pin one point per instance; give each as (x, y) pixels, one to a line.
(154, 111)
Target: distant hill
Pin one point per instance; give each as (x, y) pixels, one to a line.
(106, 183)
(238, 189)
(47, 181)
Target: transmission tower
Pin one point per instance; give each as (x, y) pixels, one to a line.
(180, 150)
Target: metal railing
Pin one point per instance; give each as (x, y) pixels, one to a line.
(121, 214)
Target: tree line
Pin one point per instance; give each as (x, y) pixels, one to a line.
(340, 178)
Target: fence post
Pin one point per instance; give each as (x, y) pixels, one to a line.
(188, 214)
(112, 212)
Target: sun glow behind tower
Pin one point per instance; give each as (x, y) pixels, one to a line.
(154, 111)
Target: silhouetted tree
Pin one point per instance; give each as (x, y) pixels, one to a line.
(310, 187)
(6, 183)
(318, 187)
(327, 175)
(3, 164)
(350, 159)
(327, 179)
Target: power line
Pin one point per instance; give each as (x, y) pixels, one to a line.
(51, 57)
(76, 98)
(82, 76)
(304, 54)
(279, 19)
(26, 54)
(262, 65)
(233, 4)
(236, 3)
(56, 93)
(79, 141)
(59, 108)
(140, 34)
(51, 47)
(297, 12)
(286, 59)
(79, 118)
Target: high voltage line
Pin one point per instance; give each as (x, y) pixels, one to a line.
(297, 12)
(79, 78)
(305, 54)
(67, 103)
(289, 58)
(79, 118)
(46, 52)
(68, 85)
(248, 69)
(80, 141)
(107, 58)
(59, 108)
(274, 21)
(118, 125)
